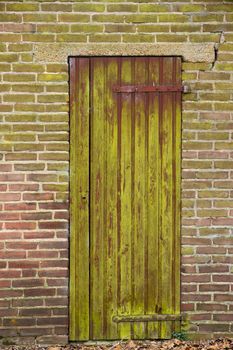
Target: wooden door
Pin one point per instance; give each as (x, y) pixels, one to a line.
(125, 197)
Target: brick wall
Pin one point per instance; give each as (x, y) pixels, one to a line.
(35, 160)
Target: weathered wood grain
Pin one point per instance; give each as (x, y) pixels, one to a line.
(131, 161)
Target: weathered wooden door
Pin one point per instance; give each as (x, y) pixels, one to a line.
(125, 197)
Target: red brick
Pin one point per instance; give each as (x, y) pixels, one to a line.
(53, 245)
(52, 225)
(27, 302)
(57, 282)
(9, 293)
(189, 269)
(223, 317)
(61, 311)
(213, 269)
(35, 312)
(39, 292)
(9, 216)
(10, 235)
(5, 283)
(12, 255)
(222, 259)
(16, 322)
(37, 196)
(196, 241)
(4, 303)
(55, 301)
(5, 167)
(53, 263)
(223, 241)
(54, 205)
(52, 321)
(195, 278)
(24, 187)
(213, 287)
(20, 206)
(222, 278)
(23, 245)
(43, 254)
(25, 283)
(20, 225)
(223, 222)
(29, 273)
(19, 27)
(36, 216)
(203, 259)
(211, 307)
(8, 312)
(64, 254)
(187, 307)
(211, 250)
(212, 154)
(196, 297)
(217, 327)
(26, 264)
(200, 317)
(9, 332)
(39, 235)
(61, 215)
(10, 274)
(42, 177)
(36, 332)
(11, 177)
(54, 273)
(9, 197)
(188, 288)
(196, 222)
(223, 297)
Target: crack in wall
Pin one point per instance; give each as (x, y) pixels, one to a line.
(215, 56)
(216, 48)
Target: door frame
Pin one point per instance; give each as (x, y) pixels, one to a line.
(79, 196)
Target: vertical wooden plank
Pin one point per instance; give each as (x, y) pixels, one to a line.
(153, 188)
(110, 282)
(177, 188)
(97, 198)
(132, 192)
(140, 224)
(167, 228)
(124, 249)
(79, 213)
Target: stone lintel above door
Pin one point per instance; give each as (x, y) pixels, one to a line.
(59, 52)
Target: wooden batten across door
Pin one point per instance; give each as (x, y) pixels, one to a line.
(125, 145)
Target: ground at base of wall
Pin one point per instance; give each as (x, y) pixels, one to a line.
(213, 344)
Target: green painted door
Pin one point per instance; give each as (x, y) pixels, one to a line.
(125, 197)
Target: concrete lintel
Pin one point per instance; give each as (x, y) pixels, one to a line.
(59, 52)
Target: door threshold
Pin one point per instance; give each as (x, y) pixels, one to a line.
(99, 342)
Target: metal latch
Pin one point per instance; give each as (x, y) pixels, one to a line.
(186, 89)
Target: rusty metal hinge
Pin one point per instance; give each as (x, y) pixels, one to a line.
(146, 318)
(147, 88)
